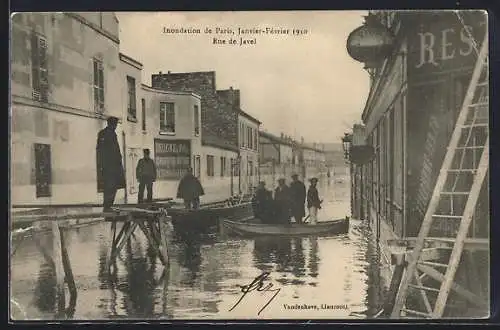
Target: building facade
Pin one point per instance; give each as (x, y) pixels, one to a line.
(64, 69)
(247, 164)
(171, 130)
(248, 131)
(219, 132)
(409, 118)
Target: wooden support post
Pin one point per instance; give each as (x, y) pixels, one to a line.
(152, 241)
(58, 265)
(166, 280)
(113, 239)
(473, 298)
(163, 236)
(394, 286)
(128, 228)
(70, 279)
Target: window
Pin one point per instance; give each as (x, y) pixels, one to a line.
(197, 166)
(98, 86)
(255, 140)
(242, 135)
(210, 165)
(196, 120)
(131, 104)
(235, 167)
(250, 168)
(167, 117)
(43, 172)
(249, 137)
(222, 166)
(40, 82)
(143, 114)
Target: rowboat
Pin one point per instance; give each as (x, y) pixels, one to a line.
(336, 227)
(206, 217)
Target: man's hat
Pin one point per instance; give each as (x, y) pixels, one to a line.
(112, 120)
(281, 180)
(313, 179)
(295, 175)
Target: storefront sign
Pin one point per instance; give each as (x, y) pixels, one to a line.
(370, 43)
(172, 158)
(445, 43)
(173, 147)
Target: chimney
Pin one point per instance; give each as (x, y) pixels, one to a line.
(168, 72)
(282, 135)
(159, 73)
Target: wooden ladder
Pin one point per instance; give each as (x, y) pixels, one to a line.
(472, 119)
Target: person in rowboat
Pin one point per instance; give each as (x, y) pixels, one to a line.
(190, 190)
(313, 201)
(262, 203)
(282, 202)
(298, 198)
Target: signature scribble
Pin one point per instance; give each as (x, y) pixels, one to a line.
(258, 285)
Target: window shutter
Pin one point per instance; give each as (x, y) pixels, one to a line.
(90, 92)
(44, 76)
(102, 86)
(35, 67)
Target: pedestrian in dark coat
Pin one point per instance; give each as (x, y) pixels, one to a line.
(190, 190)
(146, 175)
(282, 202)
(298, 198)
(262, 203)
(110, 172)
(313, 201)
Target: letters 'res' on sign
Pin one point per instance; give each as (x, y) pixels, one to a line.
(446, 41)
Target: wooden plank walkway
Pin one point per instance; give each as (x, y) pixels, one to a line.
(151, 222)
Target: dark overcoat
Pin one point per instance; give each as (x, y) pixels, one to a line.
(298, 198)
(262, 205)
(110, 172)
(282, 203)
(189, 188)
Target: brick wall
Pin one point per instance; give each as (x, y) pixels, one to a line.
(218, 120)
(231, 95)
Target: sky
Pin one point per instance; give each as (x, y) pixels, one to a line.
(304, 85)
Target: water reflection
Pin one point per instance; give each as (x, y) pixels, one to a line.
(204, 271)
(45, 290)
(284, 255)
(189, 257)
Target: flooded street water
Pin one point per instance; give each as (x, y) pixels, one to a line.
(339, 275)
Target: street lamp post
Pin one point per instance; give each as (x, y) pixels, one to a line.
(346, 145)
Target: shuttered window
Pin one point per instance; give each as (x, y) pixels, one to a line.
(196, 120)
(43, 170)
(131, 104)
(39, 72)
(98, 85)
(210, 165)
(143, 114)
